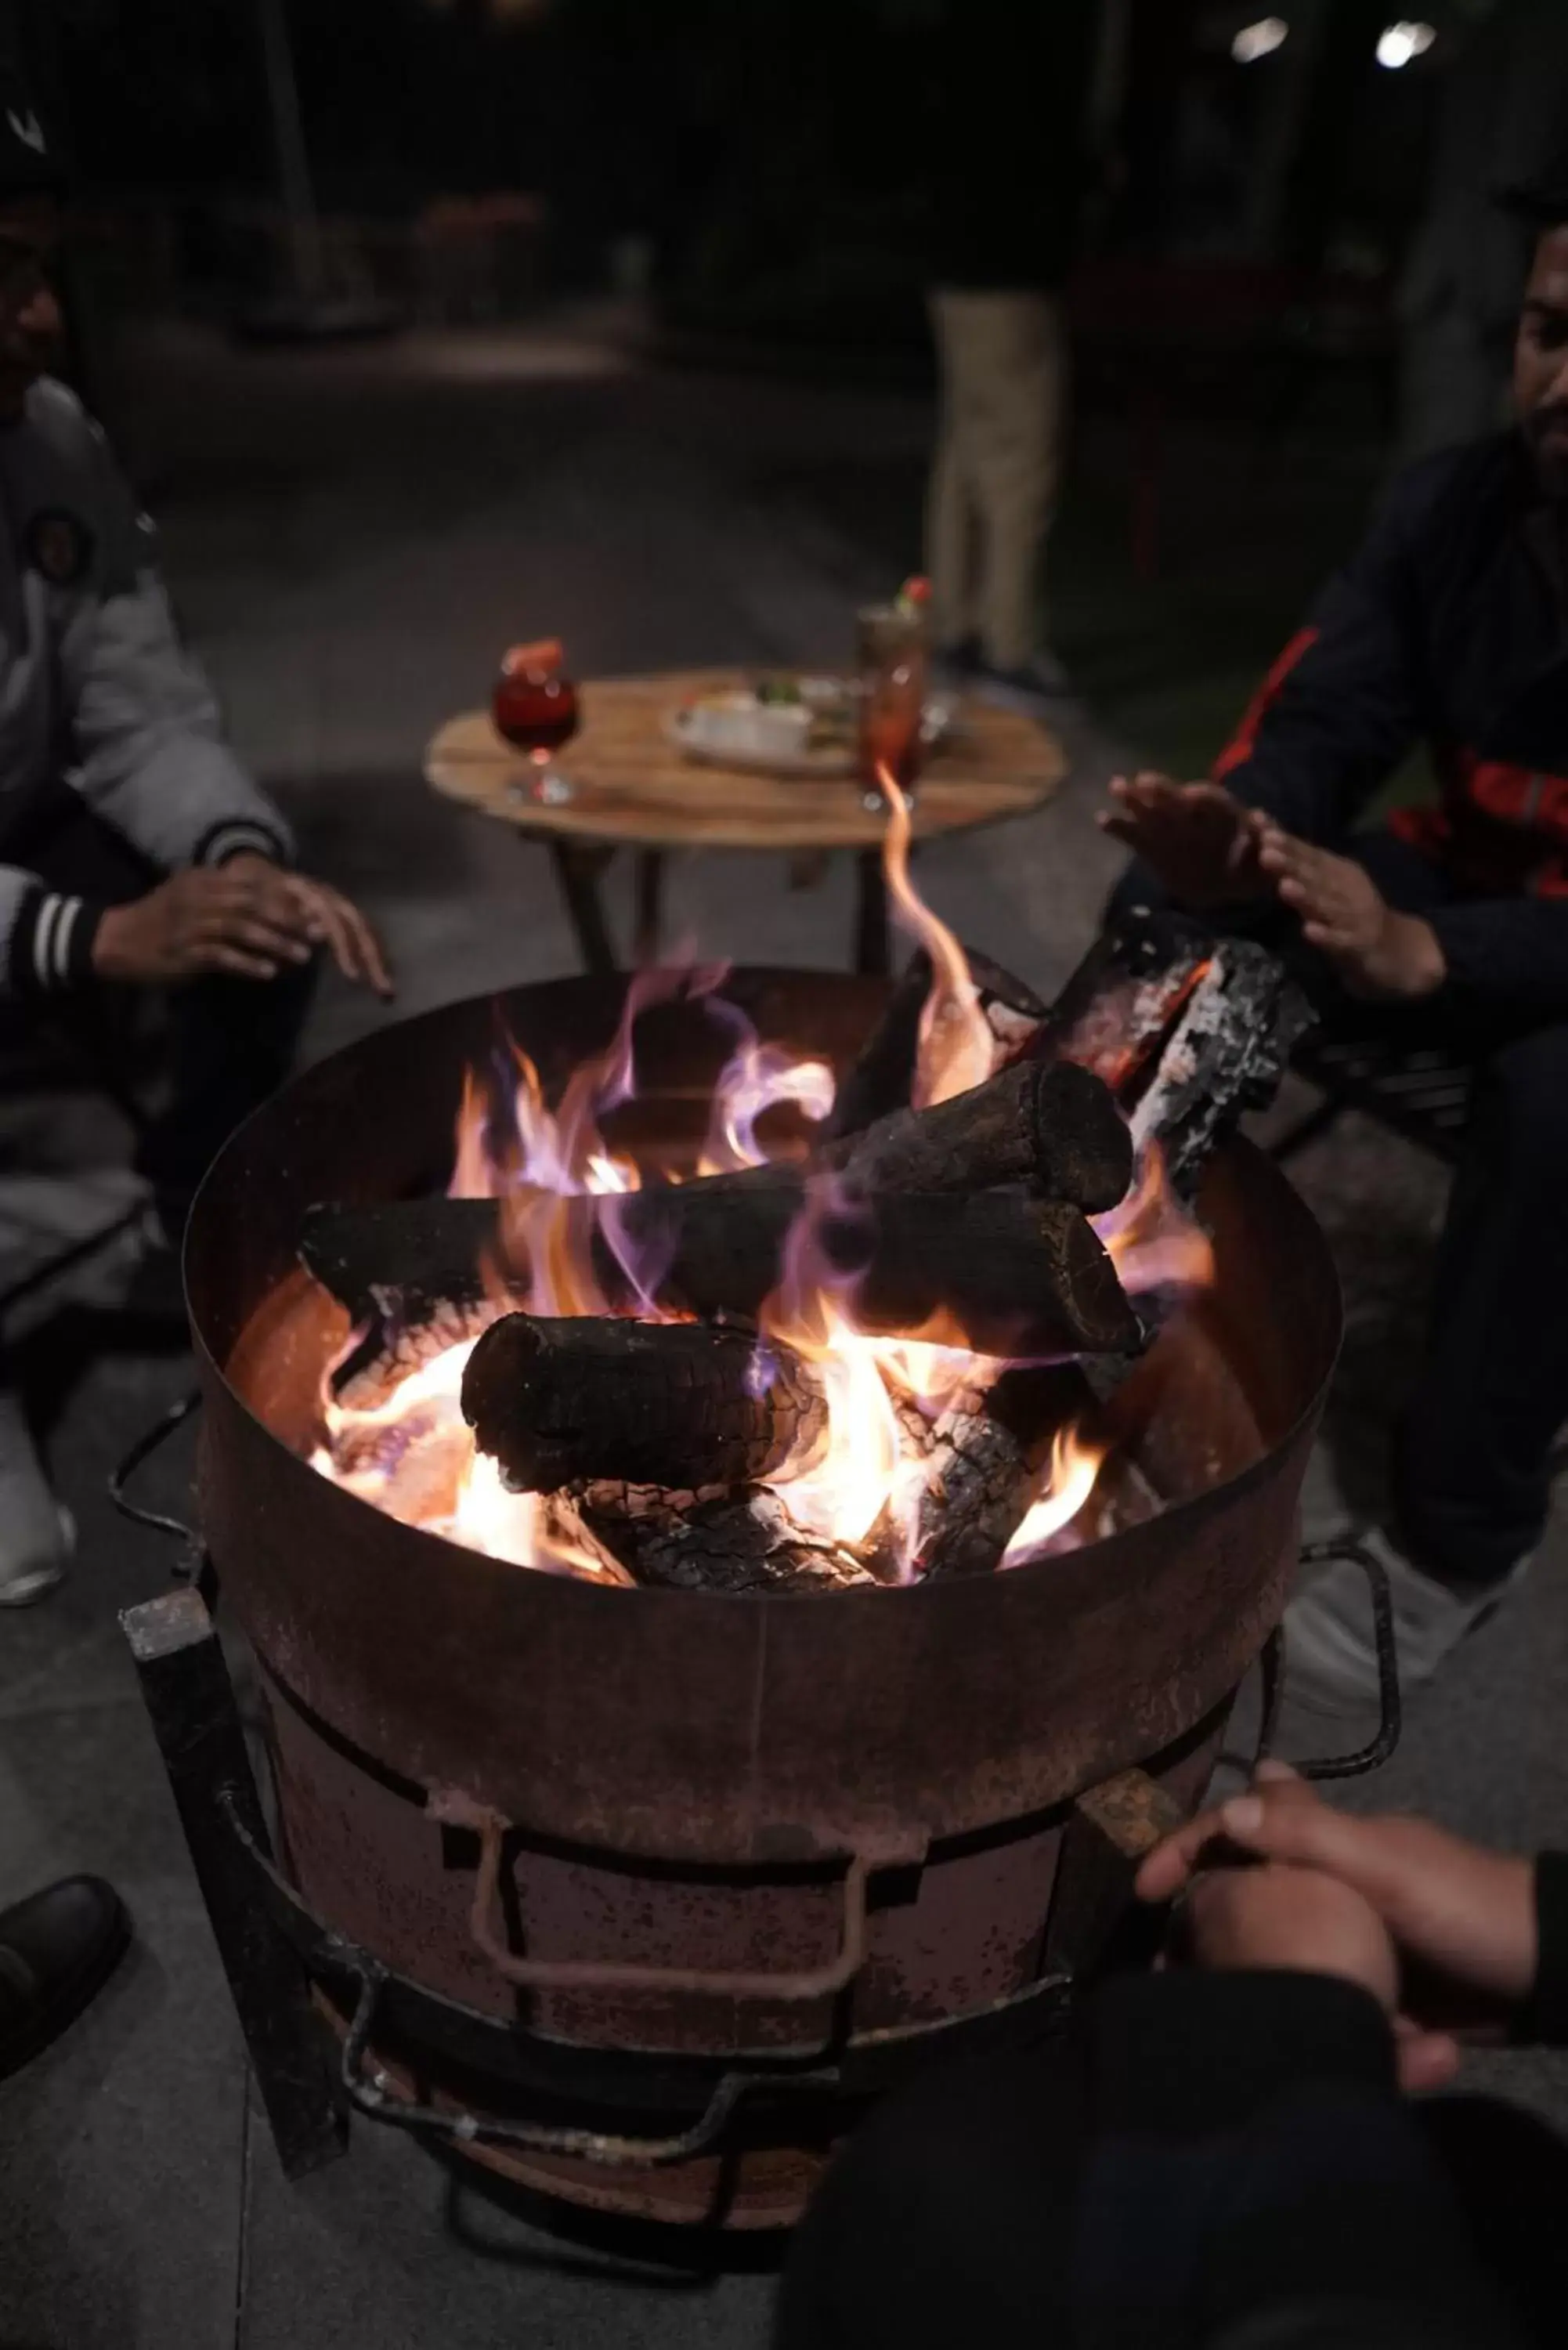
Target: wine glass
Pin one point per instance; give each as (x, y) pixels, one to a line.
(535, 708)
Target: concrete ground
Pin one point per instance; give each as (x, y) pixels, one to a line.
(353, 537)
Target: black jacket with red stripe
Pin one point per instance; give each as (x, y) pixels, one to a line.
(1450, 625)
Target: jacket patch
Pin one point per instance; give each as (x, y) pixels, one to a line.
(58, 546)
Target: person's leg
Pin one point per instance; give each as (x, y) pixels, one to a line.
(949, 2216)
(949, 506)
(1022, 381)
(1472, 1467)
(1510, 2172)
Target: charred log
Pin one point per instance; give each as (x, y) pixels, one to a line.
(746, 1544)
(1057, 1130)
(1001, 1273)
(1227, 1053)
(986, 1457)
(677, 1404)
(1117, 1008)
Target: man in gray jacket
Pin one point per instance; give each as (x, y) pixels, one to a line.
(135, 852)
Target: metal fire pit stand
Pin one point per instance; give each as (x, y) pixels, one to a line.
(276, 1952)
(273, 1950)
(191, 1704)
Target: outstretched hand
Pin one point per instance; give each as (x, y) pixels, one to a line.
(1376, 950)
(248, 919)
(1202, 842)
(1460, 1919)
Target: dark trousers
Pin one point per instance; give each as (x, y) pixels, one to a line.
(1474, 1444)
(980, 2207)
(228, 1043)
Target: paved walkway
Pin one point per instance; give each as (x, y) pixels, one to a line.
(353, 537)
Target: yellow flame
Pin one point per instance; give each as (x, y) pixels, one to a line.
(410, 1450)
(1069, 1481)
(957, 1048)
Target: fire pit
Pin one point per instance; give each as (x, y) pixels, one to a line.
(637, 1892)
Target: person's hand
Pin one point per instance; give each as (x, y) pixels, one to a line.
(1202, 843)
(246, 918)
(1297, 1919)
(327, 919)
(1375, 951)
(1462, 1919)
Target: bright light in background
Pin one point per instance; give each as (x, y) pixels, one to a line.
(1397, 44)
(1259, 40)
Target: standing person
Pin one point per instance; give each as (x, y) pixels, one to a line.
(1449, 626)
(135, 852)
(1006, 149)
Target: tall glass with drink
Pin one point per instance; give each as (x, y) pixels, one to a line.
(892, 663)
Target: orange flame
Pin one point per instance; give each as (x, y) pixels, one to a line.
(864, 1483)
(1069, 1481)
(957, 1048)
(1150, 1238)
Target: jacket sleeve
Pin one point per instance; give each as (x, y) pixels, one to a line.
(45, 937)
(148, 738)
(1340, 709)
(1508, 956)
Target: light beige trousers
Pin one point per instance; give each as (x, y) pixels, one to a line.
(1003, 364)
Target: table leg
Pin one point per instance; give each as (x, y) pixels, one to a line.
(578, 869)
(871, 950)
(649, 927)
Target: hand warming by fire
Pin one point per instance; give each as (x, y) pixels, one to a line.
(859, 1363)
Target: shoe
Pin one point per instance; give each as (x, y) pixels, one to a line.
(37, 1536)
(1331, 1652)
(57, 1951)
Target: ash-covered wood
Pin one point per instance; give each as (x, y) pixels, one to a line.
(1227, 1053)
(1119, 1006)
(882, 1077)
(1056, 1131)
(747, 1543)
(1003, 1273)
(676, 1404)
(985, 1458)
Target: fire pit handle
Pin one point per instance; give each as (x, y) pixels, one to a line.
(187, 1568)
(456, 1810)
(377, 2095)
(1390, 1709)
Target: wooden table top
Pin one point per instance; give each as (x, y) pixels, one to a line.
(633, 785)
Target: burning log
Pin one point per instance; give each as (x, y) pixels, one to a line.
(743, 1544)
(1003, 1274)
(1228, 1052)
(985, 1457)
(1116, 1009)
(1057, 1130)
(676, 1404)
(883, 1076)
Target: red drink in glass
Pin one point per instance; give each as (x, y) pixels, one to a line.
(535, 708)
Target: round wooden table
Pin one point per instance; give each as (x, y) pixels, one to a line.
(633, 789)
